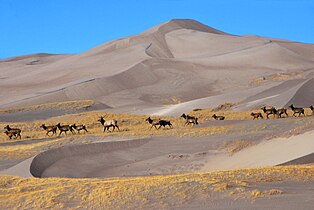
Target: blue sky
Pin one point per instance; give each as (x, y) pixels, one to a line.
(73, 26)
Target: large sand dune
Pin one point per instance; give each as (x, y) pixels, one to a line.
(180, 59)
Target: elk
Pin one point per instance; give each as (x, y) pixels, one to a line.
(150, 121)
(51, 128)
(189, 119)
(109, 123)
(65, 129)
(160, 123)
(79, 127)
(218, 117)
(297, 110)
(312, 108)
(12, 132)
(281, 112)
(270, 111)
(257, 115)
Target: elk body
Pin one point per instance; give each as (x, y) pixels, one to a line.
(281, 112)
(13, 133)
(10, 132)
(271, 111)
(256, 115)
(312, 108)
(65, 129)
(189, 119)
(109, 123)
(297, 110)
(51, 128)
(216, 117)
(78, 128)
(159, 123)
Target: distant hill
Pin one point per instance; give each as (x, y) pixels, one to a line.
(180, 61)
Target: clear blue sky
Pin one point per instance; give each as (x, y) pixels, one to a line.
(73, 26)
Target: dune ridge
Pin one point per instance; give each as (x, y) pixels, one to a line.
(180, 58)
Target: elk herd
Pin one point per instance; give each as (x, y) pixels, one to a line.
(157, 124)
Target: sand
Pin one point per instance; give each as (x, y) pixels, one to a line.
(181, 59)
(269, 153)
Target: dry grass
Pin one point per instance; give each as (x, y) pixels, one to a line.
(142, 192)
(74, 105)
(282, 76)
(206, 114)
(130, 126)
(236, 146)
(172, 100)
(257, 193)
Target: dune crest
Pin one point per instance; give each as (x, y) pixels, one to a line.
(181, 59)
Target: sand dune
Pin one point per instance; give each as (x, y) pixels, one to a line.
(269, 153)
(180, 58)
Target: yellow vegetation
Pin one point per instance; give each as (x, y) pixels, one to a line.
(130, 126)
(206, 114)
(141, 192)
(236, 146)
(282, 76)
(57, 105)
(258, 193)
(173, 100)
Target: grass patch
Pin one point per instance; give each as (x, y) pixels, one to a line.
(74, 105)
(236, 146)
(141, 192)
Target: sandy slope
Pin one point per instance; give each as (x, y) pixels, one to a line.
(180, 58)
(269, 153)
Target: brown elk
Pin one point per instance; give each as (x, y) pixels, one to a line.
(65, 129)
(78, 128)
(218, 117)
(189, 119)
(297, 110)
(109, 123)
(12, 132)
(159, 122)
(270, 111)
(51, 128)
(281, 112)
(257, 115)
